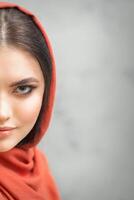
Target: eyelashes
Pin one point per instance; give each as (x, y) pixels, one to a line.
(24, 89)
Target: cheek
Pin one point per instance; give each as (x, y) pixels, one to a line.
(28, 110)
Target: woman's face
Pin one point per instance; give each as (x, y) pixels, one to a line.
(20, 103)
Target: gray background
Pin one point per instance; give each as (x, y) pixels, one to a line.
(89, 143)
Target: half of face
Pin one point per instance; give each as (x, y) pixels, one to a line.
(21, 94)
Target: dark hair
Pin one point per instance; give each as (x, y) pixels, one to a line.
(19, 30)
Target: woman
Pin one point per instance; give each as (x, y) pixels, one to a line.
(27, 91)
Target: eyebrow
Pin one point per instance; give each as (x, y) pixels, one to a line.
(24, 81)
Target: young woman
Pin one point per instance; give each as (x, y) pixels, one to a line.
(27, 92)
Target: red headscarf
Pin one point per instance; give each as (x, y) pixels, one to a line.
(24, 172)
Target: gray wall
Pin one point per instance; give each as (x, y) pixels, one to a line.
(90, 141)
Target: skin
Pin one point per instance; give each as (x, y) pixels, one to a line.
(17, 108)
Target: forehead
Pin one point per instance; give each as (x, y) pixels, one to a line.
(15, 62)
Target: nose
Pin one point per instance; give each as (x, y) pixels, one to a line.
(5, 109)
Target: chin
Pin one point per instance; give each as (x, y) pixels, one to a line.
(6, 147)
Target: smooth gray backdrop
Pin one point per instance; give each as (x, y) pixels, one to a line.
(89, 143)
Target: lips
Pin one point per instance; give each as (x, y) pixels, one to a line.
(5, 132)
(6, 128)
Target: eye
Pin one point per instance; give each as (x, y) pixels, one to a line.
(25, 89)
